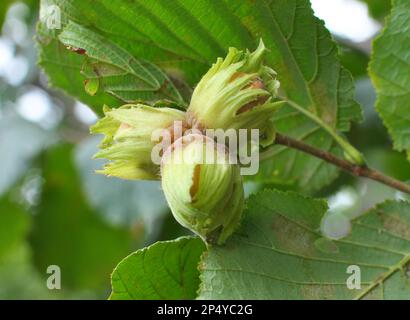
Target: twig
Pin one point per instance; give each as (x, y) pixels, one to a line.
(359, 171)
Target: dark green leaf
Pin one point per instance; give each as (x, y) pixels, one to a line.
(116, 70)
(281, 234)
(185, 37)
(63, 68)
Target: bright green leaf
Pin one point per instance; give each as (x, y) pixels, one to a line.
(390, 73)
(281, 234)
(164, 270)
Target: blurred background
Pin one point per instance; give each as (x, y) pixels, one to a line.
(55, 211)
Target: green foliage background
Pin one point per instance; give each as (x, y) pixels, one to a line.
(55, 211)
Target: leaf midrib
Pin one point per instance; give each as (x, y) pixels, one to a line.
(384, 278)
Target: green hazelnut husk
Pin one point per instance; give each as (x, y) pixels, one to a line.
(127, 142)
(237, 92)
(203, 189)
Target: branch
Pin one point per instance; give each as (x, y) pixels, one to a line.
(358, 171)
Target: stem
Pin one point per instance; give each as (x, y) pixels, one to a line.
(356, 170)
(351, 153)
(384, 277)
